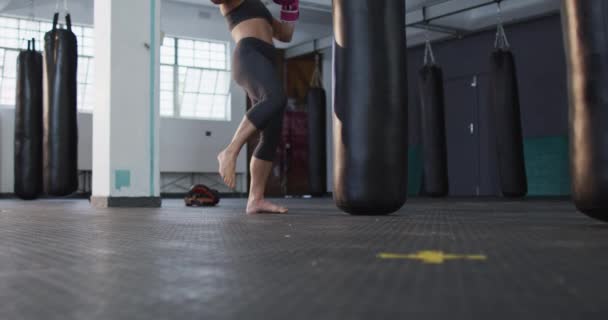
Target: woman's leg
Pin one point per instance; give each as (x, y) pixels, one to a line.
(266, 113)
(261, 167)
(256, 73)
(260, 171)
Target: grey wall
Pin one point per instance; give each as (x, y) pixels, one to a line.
(539, 53)
(540, 60)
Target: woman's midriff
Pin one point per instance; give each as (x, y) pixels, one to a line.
(254, 28)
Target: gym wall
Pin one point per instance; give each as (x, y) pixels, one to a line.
(539, 54)
(184, 147)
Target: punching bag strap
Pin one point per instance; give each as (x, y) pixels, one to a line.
(55, 20)
(68, 21)
(29, 45)
(33, 44)
(316, 82)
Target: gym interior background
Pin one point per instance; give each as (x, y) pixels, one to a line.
(472, 254)
(184, 129)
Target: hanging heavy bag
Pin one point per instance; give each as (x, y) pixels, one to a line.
(370, 106)
(317, 134)
(28, 124)
(507, 119)
(585, 35)
(434, 149)
(60, 129)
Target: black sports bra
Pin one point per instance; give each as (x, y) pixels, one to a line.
(248, 9)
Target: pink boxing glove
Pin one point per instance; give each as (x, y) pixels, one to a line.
(290, 12)
(285, 2)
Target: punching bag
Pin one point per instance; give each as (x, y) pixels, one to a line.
(28, 124)
(370, 106)
(585, 35)
(317, 133)
(432, 123)
(507, 120)
(60, 129)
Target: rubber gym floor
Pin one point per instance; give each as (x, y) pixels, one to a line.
(452, 259)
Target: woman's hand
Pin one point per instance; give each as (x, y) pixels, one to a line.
(283, 31)
(290, 13)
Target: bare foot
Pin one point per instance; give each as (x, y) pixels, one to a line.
(264, 207)
(227, 169)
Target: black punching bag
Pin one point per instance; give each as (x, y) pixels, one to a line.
(370, 106)
(60, 127)
(507, 120)
(28, 124)
(586, 42)
(432, 123)
(317, 134)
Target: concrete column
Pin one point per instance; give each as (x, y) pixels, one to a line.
(126, 115)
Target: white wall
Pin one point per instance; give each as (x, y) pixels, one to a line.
(7, 136)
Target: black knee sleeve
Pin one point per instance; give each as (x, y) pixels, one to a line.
(264, 112)
(270, 139)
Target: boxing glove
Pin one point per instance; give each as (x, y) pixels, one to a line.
(290, 12)
(285, 2)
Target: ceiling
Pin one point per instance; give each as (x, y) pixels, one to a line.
(316, 18)
(319, 12)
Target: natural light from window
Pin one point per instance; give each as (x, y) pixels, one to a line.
(194, 74)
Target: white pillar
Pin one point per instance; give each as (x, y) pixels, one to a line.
(126, 115)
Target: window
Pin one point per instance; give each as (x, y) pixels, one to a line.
(194, 74)
(195, 79)
(14, 33)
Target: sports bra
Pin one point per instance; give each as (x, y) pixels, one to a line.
(247, 10)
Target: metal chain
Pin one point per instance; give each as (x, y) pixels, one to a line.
(65, 6)
(502, 42)
(316, 81)
(32, 7)
(428, 50)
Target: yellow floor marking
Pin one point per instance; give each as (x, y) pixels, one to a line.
(432, 256)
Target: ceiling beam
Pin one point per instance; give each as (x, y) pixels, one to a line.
(457, 32)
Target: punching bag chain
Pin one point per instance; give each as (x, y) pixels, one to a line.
(502, 42)
(32, 6)
(316, 82)
(32, 16)
(429, 56)
(428, 49)
(65, 6)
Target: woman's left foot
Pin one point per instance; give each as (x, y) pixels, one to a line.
(264, 207)
(227, 164)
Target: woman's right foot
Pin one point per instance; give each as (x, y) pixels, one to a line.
(264, 207)
(227, 162)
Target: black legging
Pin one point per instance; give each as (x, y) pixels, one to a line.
(255, 71)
